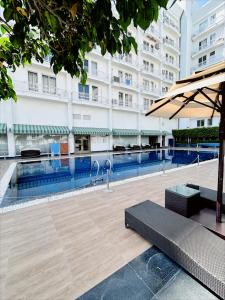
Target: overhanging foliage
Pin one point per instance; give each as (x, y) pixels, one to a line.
(69, 29)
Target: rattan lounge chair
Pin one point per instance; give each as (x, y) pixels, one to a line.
(193, 247)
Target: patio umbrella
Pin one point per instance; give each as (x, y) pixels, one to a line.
(201, 95)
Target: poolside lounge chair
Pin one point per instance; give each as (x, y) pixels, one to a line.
(119, 148)
(134, 147)
(30, 152)
(207, 197)
(189, 244)
(145, 146)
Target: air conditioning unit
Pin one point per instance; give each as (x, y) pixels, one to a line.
(116, 79)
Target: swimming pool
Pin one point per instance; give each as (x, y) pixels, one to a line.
(37, 179)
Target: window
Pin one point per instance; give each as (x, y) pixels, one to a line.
(202, 44)
(128, 79)
(94, 93)
(171, 76)
(49, 84)
(94, 68)
(147, 103)
(76, 116)
(120, 99)
(120, 75)
(202, 61)
(83, 91)
(86, 65)
(32, 81)
(212, 38)
(152, 68)
(212, 55)
(203, 25)
(146, 65)
(146, 85)
(128, 100)
(87, 117)
(200, 123)
(146, 46)
(209, 122)
(128, 58)
(212, 19)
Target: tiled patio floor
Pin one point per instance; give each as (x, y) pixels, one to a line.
(61, 249)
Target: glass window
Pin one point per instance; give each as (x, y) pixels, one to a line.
(83, 91)
(94, 93)
(202, 44)
(32, 81)
(86, 65)
(213, 19)
(94, 68)
(203, 25)
(120, 75)
(48, 84)
(202, 61)
(212, 38)
(128, 78)
(146, 65)
(128, 100)
(146, 46)
(87, 117)
(209, 122)
(76, 116)
(200, 123)
(120, 99)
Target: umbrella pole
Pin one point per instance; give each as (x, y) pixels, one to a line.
(221, 163)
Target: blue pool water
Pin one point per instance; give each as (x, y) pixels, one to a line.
(47, 177)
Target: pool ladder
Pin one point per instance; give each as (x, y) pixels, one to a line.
(97, 177)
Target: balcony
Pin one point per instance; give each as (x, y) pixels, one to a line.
(37, 91)
(127, 60)
(171, 64)
(171, 44)
(217, 42)
(168, 79)
(124, 83)
(171, 24)
(124, 104)
(219, 20)
(150, 91)
(98, 76)
(153, 33)
(151, 72)
(88, 99)
(207, 63)
(151, 52)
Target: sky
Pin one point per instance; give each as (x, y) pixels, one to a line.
(201, 2)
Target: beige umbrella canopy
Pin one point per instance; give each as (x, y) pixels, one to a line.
(201, 95)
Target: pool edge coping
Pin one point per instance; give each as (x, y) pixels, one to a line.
(95, 188)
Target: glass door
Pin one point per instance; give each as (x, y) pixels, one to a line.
(82, 143)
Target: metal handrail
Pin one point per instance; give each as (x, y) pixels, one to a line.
(107, 161)
(98, 168)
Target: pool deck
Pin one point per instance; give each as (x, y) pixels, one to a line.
(61, 249)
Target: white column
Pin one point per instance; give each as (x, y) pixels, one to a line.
(10, 121)
(139, 98)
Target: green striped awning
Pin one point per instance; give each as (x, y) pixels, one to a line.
(91, 131)
(151, 132)
(40, 129)
(3, 128)
(117, 132)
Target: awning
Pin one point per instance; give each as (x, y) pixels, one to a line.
(3, 128)
(118, 132)
(91, 131)
(40, 129)
(151, 132)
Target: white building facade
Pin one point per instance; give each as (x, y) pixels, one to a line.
(108, 110)
(202, 43)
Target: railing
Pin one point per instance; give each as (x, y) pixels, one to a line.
(208, 26)
(128, 60)
(99, 75)
(28, 89)
(151, 51)
(169, 79)
(150, 91)
(208, 62)
(171, 44)
(172, 64)
(123, 104)
(150, 71)
(168, 21)
(124, 82)
(153, 32)
(213, 43)
(85, 98)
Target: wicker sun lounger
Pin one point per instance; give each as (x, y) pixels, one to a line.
(193, 247)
